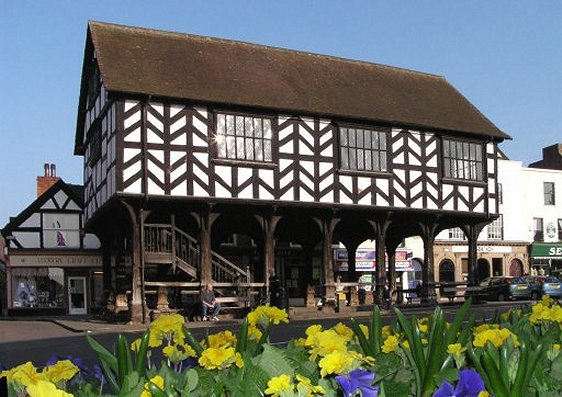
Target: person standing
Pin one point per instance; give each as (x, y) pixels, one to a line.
(209, 303)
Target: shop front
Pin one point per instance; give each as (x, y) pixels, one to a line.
(54, 284)
(546, 258)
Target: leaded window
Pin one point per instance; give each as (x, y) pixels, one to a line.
(456, 233)
(242, 137)
(463, 160)
(495, 229)
(538, 232)
(363, 149)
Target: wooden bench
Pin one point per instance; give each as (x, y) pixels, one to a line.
(462, 291)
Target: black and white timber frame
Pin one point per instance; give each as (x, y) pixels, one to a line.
(155, 154)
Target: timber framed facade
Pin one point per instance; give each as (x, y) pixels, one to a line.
(281, 146)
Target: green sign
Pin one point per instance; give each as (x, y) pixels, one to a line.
(546, 251)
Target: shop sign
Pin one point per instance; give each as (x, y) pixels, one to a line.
(365, 260)
(56, 260)
(483, 249)
(546, 251)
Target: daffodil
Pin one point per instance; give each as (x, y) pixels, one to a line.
(224, 338)
(455, 349)
(390, 344)
(26, 374)
(220, 357)
(305, 384)
(496, 337)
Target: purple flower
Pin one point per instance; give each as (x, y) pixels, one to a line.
(358, 379)
(469, 385)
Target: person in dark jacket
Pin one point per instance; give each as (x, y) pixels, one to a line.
(209, 303)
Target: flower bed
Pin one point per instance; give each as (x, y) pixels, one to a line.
(516, 354)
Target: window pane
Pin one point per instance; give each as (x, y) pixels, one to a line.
(369, 160)
(382, 144)
(352, 159)
(249, 126)
(344, 158)
(230, 125)
(267, 128)
(257, 128)
(343, 137)
(259, 150)
(240, 153)
(249, 149)
(382, 163)
(231, 147)
(360, 158)
(352, 137)
(221, 124)
(267, 151)
(367, 139)
(239, 125)
(360, 139)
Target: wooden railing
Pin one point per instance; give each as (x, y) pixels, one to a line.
(166, 244)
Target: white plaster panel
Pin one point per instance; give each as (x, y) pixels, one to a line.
(175, 156)
(265, 194)
(175, 109)
(179, 123)
(323, 123)
(34, 220)
(156, 171)
(153, 137)
(130, 104)
(399, 159)
(180, 190)
(328, 197)
(246, 193)
(158, 154)
(129, 153)
(49, 205)
(73, 206)
(158, 125)
(287, 196)
(267, 176)
(326, 182)
(286, 180)
(200, 191)
(132, 170)
(60, 197)
(199, 173)
(198, 141)
(244, 174)
(284, 164)
(132, 119)
(491, 166)
(381, 200)
(178, 172)
(159, 107)
(305, 196)
(201, 110)
(366, 200)
(304, 150)
(133, 136)
(28, 239)
(180, 140)
(153, 188)
(200, 126)
(309, 121)
(221, 191)
(203, 158)
(224, 173)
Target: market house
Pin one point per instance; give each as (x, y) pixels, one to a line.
(188, 141)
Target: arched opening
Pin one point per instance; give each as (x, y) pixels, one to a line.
(483, 267)
(446, 271)
(516, 268)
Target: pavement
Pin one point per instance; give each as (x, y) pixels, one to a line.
(94, 324)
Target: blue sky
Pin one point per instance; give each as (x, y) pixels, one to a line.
(504, 56)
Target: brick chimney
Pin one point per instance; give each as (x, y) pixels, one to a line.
(48, 179)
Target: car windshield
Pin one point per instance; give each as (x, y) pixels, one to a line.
(551, 280)
(518, 280)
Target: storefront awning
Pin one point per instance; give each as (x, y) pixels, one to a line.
(546, 251)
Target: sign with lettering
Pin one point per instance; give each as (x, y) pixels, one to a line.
(546, 251)
(55, 260)
(365, 260)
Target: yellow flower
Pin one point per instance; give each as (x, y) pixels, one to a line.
(455, 349)
(364, 329)
(45, 389)
(279, 384)
(306, 384)
(390, 344)
(254, 332)
(177, 353)
(406, 344)
(26, 374)
(387, 331)
(135, 345)
(224, 338)
(169, 326)
(495, 336)
(61, 370)
(326, 342)
(217, 357)
(483, 393)
(343, 331)
(423, 324)
(337, 362)
(265, 314)
(157, 380)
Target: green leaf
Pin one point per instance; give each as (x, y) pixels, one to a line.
(102, 353)
(363, 342)
(124, 362)
(242, 338)
(140, 359)
(191, 341)
(273, 361)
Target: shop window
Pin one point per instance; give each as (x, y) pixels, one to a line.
(242, 137)
(463, 160)
(37, 287)
(549, 198)
(538, 232)
(363, 149)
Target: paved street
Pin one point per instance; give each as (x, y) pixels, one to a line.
(36, 340)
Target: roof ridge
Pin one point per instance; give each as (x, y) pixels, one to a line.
(262, 46)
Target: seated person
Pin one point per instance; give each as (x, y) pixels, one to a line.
(208, 302)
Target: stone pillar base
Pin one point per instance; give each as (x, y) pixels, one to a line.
(310, 298)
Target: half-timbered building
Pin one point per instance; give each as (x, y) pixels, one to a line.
(53, 266)
(189, 140)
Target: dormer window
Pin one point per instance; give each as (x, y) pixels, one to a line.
(363, 149)
(463, 160)
(243, 137)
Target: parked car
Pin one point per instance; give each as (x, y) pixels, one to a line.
(544, 285)
(503, 288)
